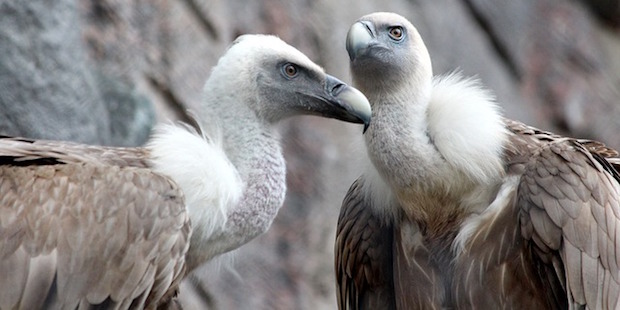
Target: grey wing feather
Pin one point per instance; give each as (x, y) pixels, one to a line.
(363, 255)
(76, 232)
(569, 200)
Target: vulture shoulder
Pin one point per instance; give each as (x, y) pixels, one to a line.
(551, 236)
(83, 225)
(363, 254)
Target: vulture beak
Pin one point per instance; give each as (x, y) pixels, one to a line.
(350, 104)
(359, 38)
(343, 102)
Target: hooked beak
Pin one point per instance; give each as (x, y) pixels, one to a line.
(345, 102)
(359, 38)
(335, 99)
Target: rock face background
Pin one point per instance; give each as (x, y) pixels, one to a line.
(104, 71)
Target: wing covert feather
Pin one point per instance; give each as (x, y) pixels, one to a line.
(569, 194)
(87, 234)
(23, 151)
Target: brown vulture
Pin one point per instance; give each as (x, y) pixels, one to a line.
(461, 208)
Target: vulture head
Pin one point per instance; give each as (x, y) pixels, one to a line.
(387, 48)
(280, 81)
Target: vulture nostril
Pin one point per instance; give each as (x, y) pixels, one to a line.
(337, 89)
(368, 28)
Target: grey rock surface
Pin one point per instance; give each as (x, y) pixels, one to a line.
(131, 114)
(49, 86)
(46, 89)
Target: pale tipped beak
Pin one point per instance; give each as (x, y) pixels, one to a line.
(351, 105)
(357, 104)
(359, 37)
(335, 99)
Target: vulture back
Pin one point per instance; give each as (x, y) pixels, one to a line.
(83, 226)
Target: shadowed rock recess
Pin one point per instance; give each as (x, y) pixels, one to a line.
(105, 71)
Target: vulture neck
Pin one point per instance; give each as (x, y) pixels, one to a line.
(438, 145)
(252, 147)
(398, 142)
(399, 145)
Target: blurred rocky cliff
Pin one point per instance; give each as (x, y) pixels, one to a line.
(104, 71)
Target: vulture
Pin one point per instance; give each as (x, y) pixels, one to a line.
(118, 228)
(459, 207)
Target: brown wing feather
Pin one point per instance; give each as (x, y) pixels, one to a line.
(570, 201)
(363, 255)
(23, 152)
(86, 233)
(496, 270)
(417, 280)
(570, 210)
(554, 232)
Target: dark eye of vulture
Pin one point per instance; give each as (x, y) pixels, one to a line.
(290, 70)
(396, 33)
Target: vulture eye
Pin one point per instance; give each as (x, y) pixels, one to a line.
(396, 33)
(290, 70)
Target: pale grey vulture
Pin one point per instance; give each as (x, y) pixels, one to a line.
(460, 208)
(87, 226)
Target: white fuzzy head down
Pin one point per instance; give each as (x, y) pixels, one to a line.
(264, 46)
(199, 166)
(236, 70)
(466, 126)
